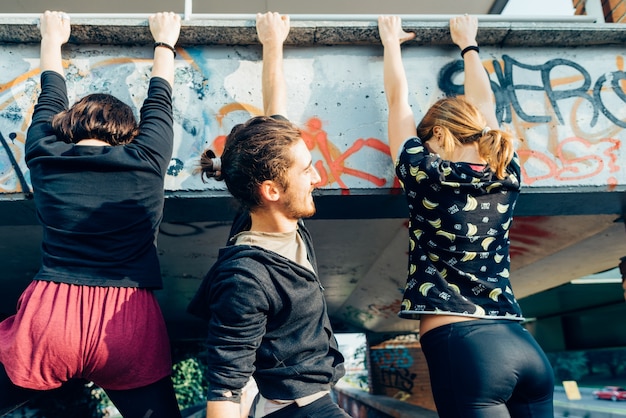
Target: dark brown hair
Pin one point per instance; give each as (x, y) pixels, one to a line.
(97, 116)
(255, 151)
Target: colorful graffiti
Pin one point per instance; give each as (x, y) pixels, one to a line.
(528, 233)
(568, 109)
(576, 159)
(357, 315)
(332, 165)
(401, 379)
(394, 368)
(535, 98)
(392, 358)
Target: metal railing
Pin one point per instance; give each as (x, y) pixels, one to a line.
(334, 17)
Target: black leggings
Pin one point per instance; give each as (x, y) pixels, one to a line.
(12, 397)
(488, 369)
(156, 400)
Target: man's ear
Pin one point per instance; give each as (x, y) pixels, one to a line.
(270, 191)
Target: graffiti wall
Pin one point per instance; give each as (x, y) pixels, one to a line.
(567, 106)
(398, 369)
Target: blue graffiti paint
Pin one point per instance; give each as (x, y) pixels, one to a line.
(396, 358)
(16, 167)
(175, 167)
(615, 77)
(507, 91)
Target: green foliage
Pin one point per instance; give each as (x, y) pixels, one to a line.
(611, 361)
(189, 382)
(595, 367)
(360, 355)
(568, 365)
(189, 373)
(104, 403)
(356, 369)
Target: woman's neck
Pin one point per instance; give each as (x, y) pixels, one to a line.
(468, 153)
(93, 142)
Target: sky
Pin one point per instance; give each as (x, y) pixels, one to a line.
(547, 7)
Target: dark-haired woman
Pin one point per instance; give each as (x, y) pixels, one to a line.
(90, 312)
(462, 178)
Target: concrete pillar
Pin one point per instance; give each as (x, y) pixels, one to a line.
(549, 333)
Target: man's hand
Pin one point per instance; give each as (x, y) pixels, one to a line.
(272, 30)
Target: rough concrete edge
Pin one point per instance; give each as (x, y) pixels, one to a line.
(118, 31)
(386, 404)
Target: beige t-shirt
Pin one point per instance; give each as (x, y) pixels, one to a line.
(287, 244)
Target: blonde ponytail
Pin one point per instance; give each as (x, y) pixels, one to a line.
(496, 146)
(463, 123)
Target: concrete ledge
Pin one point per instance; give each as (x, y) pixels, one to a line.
(240, 30)
(219, 206)
(389, 406)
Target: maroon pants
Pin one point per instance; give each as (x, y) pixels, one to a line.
(112, 336)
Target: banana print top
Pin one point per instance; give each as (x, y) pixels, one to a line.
(458, 236)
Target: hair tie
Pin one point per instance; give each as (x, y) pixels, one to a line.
(486, 130)
(217, 163)
(469, 48)
(166, 45)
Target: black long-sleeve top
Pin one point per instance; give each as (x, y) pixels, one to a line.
(100, 206)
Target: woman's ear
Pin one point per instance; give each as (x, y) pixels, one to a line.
(270, 191)
(438, 135)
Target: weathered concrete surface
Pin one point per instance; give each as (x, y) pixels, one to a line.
(240, 30)
(358, 402)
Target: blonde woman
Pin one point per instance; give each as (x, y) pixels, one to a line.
(462, 179)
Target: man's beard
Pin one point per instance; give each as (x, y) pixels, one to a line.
(295, 212)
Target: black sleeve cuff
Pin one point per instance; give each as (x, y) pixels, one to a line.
(221, 394)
